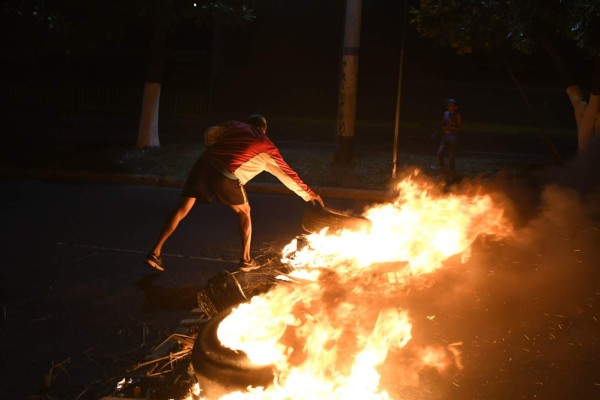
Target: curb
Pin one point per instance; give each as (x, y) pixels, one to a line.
(377, 196)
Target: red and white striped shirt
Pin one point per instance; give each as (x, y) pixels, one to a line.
(245, 151)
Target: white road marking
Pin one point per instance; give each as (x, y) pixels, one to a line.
(132, 251)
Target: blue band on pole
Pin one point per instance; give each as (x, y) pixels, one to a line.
(350, 51)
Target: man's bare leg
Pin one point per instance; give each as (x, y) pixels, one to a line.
(245, 220)
(182, 209)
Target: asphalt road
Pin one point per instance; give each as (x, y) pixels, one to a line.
(74, 293)
(77, 302)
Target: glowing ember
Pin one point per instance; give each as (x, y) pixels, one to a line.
(328, 333)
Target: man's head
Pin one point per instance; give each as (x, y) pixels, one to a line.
(259, 121)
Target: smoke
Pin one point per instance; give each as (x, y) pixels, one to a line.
(558, 233)
(518, 319)
(525, 308)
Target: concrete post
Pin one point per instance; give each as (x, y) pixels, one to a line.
(346, 115)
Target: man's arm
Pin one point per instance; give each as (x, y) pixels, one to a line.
(278, 167)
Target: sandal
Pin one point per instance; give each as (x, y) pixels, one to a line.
(250, 265)
(155, 262)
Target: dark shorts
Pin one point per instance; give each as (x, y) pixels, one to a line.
(204, 183)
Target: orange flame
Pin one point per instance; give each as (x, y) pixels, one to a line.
(417, 227)
(328, 335)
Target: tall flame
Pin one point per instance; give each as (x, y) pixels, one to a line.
(327, 336)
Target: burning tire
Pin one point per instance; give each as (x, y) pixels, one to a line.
(315, 219)
(221, 370)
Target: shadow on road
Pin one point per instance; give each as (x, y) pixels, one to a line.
(158, 298)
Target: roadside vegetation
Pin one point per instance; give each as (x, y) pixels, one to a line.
(372, 167)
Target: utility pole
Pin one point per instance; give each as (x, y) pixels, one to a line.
(399, 95)
(346, 114)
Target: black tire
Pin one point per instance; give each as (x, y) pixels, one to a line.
(316, 218)
(221, 370)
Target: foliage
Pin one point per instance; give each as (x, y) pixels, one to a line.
(87, 27)
(465, 25)
(203, 12)
(27, 26)
(584, 25)
(229, 13)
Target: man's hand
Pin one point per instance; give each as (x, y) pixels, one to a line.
(316, 199)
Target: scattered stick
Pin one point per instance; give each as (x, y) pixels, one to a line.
(51, 375)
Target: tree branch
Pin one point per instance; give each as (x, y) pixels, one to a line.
(564, 70)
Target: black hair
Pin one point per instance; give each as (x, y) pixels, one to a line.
(257, 120)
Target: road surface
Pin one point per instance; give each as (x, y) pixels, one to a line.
(74, 291)
(77, 302)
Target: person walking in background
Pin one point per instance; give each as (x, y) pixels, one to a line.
(235, 153)
(451, 126)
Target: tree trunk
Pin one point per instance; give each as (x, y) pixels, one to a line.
(586, 116)
(148, 128)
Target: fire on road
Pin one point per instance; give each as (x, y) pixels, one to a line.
(328, 335)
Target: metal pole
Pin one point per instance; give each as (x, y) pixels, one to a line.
(399, 94)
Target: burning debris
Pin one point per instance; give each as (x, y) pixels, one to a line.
(231, 288)
(167, 371)
(329, 334)
(441, 295)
